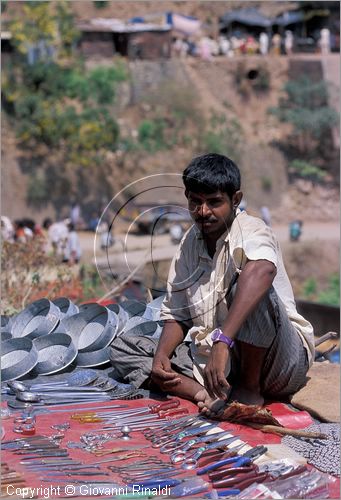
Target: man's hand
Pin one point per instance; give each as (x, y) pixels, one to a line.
(162, 373)
(214, 372)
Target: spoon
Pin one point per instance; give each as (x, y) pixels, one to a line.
(20, 405)
(20, 386)
(30, 397)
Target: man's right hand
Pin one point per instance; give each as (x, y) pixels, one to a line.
(162, 373)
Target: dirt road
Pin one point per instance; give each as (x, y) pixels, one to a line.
(132, 248)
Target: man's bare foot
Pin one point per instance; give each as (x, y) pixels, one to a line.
(209, 406)
(246, 396)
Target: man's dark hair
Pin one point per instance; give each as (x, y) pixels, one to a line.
(210, 173)
(47, 223)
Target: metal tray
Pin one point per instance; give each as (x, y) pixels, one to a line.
(55, 352)
(39, 318)
(93, 328)
(18, 357)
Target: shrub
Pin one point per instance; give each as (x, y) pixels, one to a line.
(306, 170)
(331, 295)
(309, 289)
(223, 136)
(28, 274)
(151, 134)
(266, 183)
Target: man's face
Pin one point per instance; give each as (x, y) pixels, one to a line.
(212, 213)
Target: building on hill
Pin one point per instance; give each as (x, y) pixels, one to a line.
(107, 37)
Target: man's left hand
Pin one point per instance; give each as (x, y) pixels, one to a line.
(214, 372)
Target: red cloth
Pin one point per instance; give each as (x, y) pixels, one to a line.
(253, 437)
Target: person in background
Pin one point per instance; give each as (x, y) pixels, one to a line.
(93, 222)
(325, 41)
(75, 214)
(205, 48)
(276, 44)
(7, 229)
(224, 46)
(73, 251)
(295, 230)
(22, 233)
(288, 42)
(106, 239)
(31, 228)
(58, 234)
(263, 43)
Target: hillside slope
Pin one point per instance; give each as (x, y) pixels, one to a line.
(213, 83)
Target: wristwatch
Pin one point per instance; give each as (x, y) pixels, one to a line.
(218, 336)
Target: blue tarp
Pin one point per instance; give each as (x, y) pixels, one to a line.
(250, 17)
(289, 18)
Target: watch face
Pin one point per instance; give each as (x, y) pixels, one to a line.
(215, 335)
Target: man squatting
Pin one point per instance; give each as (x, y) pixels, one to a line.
(231, 331)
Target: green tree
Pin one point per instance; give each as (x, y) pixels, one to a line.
(34, 26)
(47, 23)
(68, 33)
(59, 104)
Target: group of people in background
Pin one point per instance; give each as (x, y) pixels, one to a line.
(59, 238)
(208, 47)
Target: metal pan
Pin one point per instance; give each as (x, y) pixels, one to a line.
(18, 357)
(153, 309)
(93, 328)
(66, 306)
(39, 318)
(133, 307)
(88, 359)
(56, 351)
(147, 328)
(122, 316)
(4, 320)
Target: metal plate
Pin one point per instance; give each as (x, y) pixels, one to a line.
(39, 318)
(87, 359)
(55, 352)
(93, 328)
(18, 357)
